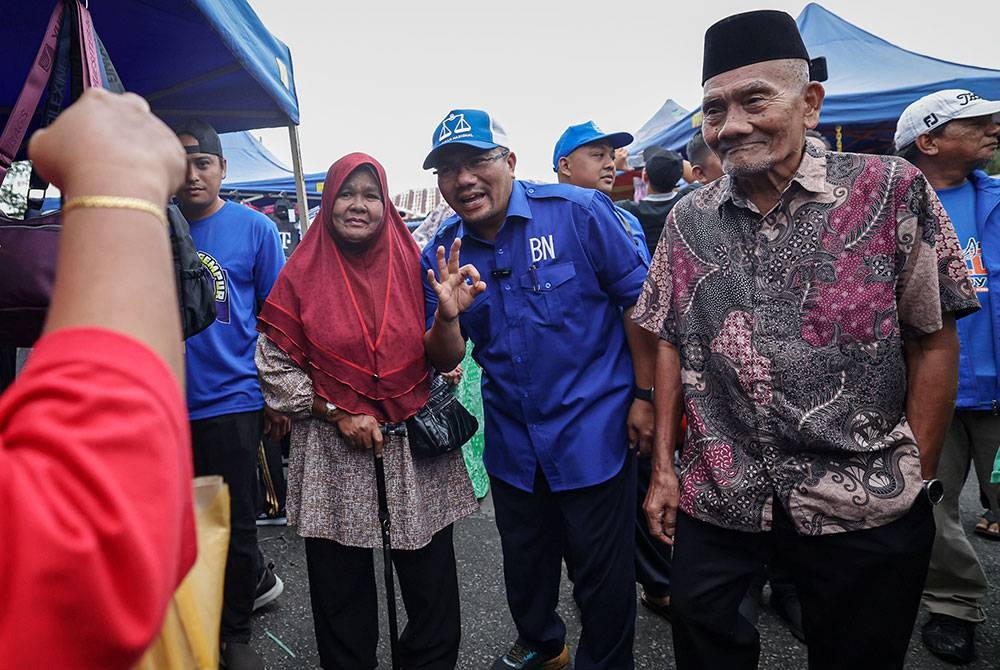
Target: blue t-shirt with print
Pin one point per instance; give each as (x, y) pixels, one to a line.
(976, 330)
(241, 250)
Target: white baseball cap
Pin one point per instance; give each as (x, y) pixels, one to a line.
(934, 110)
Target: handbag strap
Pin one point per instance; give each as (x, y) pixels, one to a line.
(41, 71)
(27, 101)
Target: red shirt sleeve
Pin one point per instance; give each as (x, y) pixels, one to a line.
(96, 519)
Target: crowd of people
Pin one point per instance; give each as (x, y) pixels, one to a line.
(780, 372)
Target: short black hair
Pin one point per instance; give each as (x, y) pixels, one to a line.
(911, 152)
(663, 169)
(696, 149)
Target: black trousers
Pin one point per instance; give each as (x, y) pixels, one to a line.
(859, 590)
(345, 604)
(227, 445)
(593, 529)
(652, 557)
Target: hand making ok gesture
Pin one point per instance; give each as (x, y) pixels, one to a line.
(456, 286)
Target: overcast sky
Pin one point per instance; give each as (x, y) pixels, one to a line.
(377, 76)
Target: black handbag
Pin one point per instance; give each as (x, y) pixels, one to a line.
(442, 425)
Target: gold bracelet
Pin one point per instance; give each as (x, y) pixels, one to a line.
(116, 202)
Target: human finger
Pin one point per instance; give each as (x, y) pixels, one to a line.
(454, 258)
(378, 441)
(442, 264)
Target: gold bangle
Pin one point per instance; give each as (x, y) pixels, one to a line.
(116, 202)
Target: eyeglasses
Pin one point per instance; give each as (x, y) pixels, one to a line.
(475, 165)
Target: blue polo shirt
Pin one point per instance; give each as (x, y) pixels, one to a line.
(635, 229)
(548, 334)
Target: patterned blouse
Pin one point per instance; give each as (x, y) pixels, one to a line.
(331, 486)
(790, 330)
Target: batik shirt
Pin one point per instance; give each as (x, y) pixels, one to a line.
(790, 329)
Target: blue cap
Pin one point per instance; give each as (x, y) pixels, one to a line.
(467, 126)
(585, 133)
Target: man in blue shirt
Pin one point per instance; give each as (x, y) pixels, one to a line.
(567, 383)
(951, 135)
(584, 156)
(241, 250)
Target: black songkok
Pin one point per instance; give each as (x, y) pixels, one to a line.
(755, 37)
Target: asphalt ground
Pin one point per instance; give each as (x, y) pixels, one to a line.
(283, 631)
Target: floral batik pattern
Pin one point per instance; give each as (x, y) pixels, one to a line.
(790, 327)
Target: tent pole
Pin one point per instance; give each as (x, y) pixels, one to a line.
(300, 181)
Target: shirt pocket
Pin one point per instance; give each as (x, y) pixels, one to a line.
(550, 293)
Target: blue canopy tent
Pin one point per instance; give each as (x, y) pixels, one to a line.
(207, 59)
(256, 175)
(871, 82)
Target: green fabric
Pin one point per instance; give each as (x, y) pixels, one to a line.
(470, 394)
(995, 479)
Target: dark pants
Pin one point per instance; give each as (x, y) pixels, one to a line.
(273, 487)
(652, 557)
(227, 445)
(860, 590)
(593, 529)
(345, 604)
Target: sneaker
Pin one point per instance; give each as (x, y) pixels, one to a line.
(277, 519)
(269, 587)
(239, 656)
(522, 658)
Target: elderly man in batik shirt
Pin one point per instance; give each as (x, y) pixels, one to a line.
(806, 305)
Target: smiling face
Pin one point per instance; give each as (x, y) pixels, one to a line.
(357, 209)
(199, 196)
(589, 166)
(477, 183)
(755, 117)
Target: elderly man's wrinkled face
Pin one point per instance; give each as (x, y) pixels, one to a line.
(755, 117)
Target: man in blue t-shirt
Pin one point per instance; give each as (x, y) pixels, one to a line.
(584, 156)
(951, 135)
(567, 383)
(241, 250)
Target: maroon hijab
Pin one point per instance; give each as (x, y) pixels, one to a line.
(353, 318)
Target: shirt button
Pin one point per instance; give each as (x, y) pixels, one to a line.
(518, 359)
(506, 287)
(531, 190)
(499, 251)
(548, 285)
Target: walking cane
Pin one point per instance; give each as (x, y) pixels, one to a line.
(383, 519)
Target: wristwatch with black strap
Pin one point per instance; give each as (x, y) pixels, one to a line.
(934, 490)
(642, 394)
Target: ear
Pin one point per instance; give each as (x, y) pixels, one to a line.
(223, 161)
(645, 177)
(564, 167)
(927, 144)
(511, 162)
(698, 174)
(814, 96)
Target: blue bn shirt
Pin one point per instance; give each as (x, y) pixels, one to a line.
(241, 250)
(548, 333)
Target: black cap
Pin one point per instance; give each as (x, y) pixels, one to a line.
(663, 168)
(208, 139)
(755, 37)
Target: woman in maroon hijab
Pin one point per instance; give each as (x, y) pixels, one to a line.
(342, 353)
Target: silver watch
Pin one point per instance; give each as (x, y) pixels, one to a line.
(330, 409)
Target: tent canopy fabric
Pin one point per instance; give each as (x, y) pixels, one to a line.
(871, 82)
(668, 114)
(253, 170)
(238, 76)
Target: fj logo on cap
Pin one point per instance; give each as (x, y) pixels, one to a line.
(930, 120)
(461, 127)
